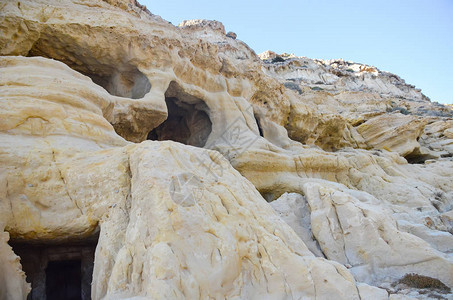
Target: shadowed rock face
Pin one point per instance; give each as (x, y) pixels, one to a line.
(85, 84)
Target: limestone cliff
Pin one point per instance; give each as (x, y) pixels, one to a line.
(194, 169)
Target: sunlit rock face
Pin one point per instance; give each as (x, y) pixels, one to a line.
(193, 169)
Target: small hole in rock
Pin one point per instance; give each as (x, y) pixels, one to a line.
(269, 197)
(417, 158)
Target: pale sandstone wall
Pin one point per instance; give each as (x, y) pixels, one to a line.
(178, 221)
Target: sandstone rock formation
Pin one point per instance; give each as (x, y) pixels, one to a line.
(164, 145)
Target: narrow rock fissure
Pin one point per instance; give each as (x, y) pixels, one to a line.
(260, 129)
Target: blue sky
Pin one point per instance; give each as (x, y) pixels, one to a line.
(411, 38)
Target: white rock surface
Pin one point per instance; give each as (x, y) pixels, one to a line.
(361, 195)
(295, 211)
(372, 293)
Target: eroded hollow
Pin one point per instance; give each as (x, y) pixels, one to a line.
(119, 79)
(128, 83)
(188, 119)
(58, 271)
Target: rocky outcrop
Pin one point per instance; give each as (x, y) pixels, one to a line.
(360, 197)
(228, 229)
(393, 132)
(338, 76)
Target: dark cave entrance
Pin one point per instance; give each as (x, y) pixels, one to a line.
(58, 271)
(188, 120)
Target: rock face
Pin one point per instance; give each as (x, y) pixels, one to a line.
(159, 148)
(393, 132)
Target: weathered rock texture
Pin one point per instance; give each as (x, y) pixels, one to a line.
(356, 163)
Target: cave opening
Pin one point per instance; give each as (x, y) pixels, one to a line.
(188, 119)
(58, 270)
